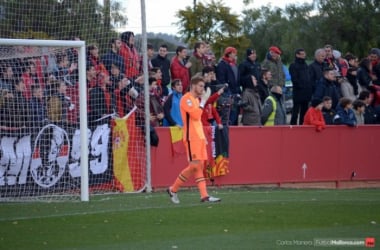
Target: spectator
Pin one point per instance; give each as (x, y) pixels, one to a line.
(208, 73)
(179, 67)
(99, 101)
(251, 105)
(19, 107)
(38, 107)
(352, 71)
(210, 115)
(149, 53)
(273, 112)
(370, 114)
(302, 88)
(172, 114)
(330, 60)
(162, 90)
(328, 111)
(346, 88)
(364, 74)
(359, 109)
(327, 86)
(93, 59)
(6, 77)
(227, 73)
(161, 61)
(113, 57)
(248, 68)
(29, 78)
(314, 115)
(121, 97)
(209, 55)
(374, 57)
(274, 64)
(90, 76)
(344, 113)
(130, 55)
(197, 59)
(58, 104)
(156, 109)
(316, 67)
(194, 140)
(63, 71)
(263, 84)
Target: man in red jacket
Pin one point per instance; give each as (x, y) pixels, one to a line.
(180, 66)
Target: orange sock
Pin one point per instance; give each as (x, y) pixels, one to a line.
(201, 181)
(182, 177)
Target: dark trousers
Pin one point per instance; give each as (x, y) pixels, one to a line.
(299, 110)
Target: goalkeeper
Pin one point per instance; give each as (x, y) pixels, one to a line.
(194, 139)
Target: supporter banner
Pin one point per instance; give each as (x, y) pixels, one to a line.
(50, 157)
(54, 151)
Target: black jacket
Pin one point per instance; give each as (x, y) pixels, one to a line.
(247, 69)
(302, 86)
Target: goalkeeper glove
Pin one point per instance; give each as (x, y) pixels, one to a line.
(206, 94)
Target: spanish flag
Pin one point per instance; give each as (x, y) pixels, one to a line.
(129, 164)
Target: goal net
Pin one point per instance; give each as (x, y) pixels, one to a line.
(56, 140)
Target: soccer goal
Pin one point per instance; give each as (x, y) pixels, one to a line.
(48, 148)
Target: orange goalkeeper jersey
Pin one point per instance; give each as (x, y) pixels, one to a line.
(191, 116)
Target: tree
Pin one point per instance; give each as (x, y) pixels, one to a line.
(212, 22)
(61, 19)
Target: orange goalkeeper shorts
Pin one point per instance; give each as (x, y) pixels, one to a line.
(196, 150)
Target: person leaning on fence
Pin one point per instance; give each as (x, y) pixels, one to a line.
(328, 111)
(314, 115)
(172, 114)
(370, 114)
(194, 140)
(359, 109)
(273, 112)
(344, 113)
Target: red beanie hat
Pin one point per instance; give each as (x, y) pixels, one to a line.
(229, 50)
(275, 50)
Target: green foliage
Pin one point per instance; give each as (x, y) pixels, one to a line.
(245, 219)
(350, 26)
(212, 22)
(61, 19)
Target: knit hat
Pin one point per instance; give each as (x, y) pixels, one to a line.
(275, 50)
(315, 102)
(250, 52)
(375, 51)
(230, 50)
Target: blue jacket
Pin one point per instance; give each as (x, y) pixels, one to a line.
(172, 113)
(345, 117)
(113, 58)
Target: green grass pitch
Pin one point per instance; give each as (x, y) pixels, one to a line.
(246, 218)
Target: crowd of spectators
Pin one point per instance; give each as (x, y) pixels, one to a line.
(43, 89)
